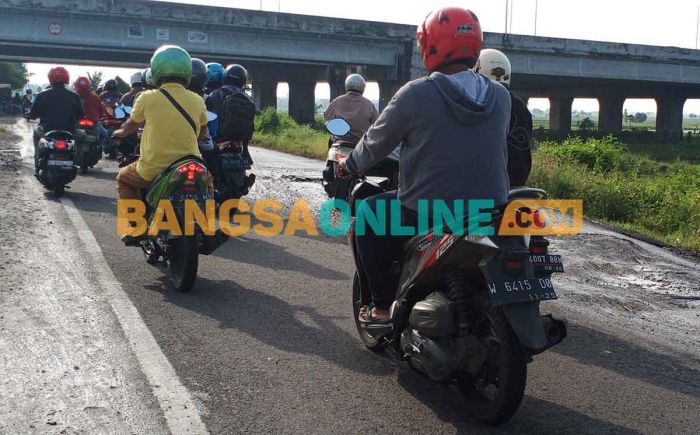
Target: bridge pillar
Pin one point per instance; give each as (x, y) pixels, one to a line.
(387, 89)
(265, 94)
(302, 101)
(610, 114)
(560, 114)
(669, 117)
(337, 88)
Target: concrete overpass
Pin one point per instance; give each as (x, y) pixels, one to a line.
(303, 50)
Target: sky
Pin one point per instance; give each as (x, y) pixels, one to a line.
(667, 23)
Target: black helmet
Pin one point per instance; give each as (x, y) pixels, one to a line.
(199, 75)
(236, 75)
(111, 85)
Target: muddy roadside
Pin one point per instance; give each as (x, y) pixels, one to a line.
(60, 340)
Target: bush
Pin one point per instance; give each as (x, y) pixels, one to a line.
(279, 131)
(598, 154)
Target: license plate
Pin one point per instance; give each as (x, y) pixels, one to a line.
(234, 164)
(90, 138)
(547, 263)
(68, 163)
(521, 290)
(182, 197)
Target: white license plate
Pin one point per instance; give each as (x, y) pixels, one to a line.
(68, 163)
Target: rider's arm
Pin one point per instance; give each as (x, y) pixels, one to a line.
(128, 128)
(390, 128)
(135, 120)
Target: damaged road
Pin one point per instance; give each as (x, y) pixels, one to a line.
(265, 343)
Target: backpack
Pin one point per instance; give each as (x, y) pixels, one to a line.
(236, 117)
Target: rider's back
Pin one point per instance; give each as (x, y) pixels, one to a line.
(454, 130)
(357, 110)
(167, 135)
(57, 109)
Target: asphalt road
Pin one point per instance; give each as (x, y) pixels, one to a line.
(265, 342)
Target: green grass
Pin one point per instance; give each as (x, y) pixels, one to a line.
(689, 124)
(638, 189)
(280, 132)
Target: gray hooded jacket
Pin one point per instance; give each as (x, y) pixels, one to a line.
(454, 130)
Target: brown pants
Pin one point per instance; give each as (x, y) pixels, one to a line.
(130, 183)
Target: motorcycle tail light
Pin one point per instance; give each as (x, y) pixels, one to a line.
(86, 122)
(190, 171)
(60, 144)
(539, 246)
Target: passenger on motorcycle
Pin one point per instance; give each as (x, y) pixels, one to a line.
(92, 106)
(453, 125)
(111, 92)
(496, 66)
(357, 110)
(215, 77)
(242, 115)
(57, 109)
(168, 133)
(197, 82)
(136, 88)
(147, 80)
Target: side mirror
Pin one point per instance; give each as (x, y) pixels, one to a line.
(338, 127)
(211, 116)
(119, 113)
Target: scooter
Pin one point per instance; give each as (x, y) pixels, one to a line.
(466, 312)
(89, 152)
(337, 187)
(55, 165)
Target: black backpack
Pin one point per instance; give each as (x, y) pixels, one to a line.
(236, 118)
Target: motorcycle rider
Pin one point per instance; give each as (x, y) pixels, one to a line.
(168, 133)
(215, 77)
(92, 106)
(235, 80)
(57, 109)
(357, 110)
(27, 100)
(136, 88)
(199, 77)
(147, 78)
(454, 151)
(495, 65)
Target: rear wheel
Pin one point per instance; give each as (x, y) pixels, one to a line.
(368, 340)
(183, 259)
(59, 190)
(494, 394)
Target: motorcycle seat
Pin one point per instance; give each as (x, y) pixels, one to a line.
(58, 134)
(526, 192)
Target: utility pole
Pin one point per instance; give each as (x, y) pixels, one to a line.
(506, 27)
(697, 27)
(537, 4)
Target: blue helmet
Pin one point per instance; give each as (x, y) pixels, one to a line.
(215, 73)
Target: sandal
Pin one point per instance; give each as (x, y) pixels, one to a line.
(368, 321)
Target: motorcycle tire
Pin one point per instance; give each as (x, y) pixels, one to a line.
(58, 191)
(506, 364)
(84, 168)
(183, 259)
(370, 342)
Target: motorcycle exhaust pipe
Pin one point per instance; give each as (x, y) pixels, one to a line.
(555, 328)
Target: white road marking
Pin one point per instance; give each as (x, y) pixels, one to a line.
(180, 412)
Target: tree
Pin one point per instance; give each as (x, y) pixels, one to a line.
(14, 73)
(639, 117)
(586, 124)
(96, 79)
(122, 86)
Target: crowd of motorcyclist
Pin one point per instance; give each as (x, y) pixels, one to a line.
(463, 134)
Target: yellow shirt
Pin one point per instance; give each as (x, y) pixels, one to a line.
(167, 135)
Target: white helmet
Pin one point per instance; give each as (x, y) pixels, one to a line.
(136, 79)
(494, 65)
(355, 82)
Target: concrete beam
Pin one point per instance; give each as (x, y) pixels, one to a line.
(560, 114)
(669, 117)
(302, 101)
(265, 94)
(610, 114)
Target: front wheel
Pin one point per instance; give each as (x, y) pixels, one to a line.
(183, 259)
(494, 394)
(370, 342)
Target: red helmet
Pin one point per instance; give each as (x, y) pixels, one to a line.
(448, 35)
(83, 85)
(59, 75)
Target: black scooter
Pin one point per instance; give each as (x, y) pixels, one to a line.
(55, 164)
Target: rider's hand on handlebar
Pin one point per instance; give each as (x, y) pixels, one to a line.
(118, 134)
(343, 170)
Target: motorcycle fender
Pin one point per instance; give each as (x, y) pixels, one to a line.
(527, 324)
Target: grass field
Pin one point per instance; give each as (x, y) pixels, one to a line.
(280, 132)
(689, 124)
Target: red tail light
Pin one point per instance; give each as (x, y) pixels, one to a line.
(86, 122)
(60, 145)
(191, 170)
(539, 246)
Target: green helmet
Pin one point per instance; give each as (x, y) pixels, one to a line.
(173, 62)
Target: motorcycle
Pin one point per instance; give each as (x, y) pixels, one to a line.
(230, 180)
(337, 187)
(185, 179)
(466, 311)
(55, 163)
(89, 152)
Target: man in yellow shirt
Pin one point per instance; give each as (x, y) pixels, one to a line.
(169, 133)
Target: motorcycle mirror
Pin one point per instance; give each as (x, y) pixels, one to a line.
(119, 112)
(211, 116)
(338, 127)
(127, 109)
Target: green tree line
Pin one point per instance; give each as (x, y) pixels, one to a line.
(14, 73)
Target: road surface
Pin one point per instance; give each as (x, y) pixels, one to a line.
(265, 342)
